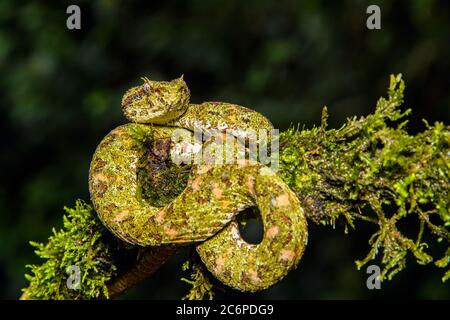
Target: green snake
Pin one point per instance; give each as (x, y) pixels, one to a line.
(204, 212)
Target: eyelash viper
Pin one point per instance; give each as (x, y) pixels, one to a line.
(204, 212)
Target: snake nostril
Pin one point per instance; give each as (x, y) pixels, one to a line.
(251, 226)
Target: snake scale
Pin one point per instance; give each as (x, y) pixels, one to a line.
(204, 212)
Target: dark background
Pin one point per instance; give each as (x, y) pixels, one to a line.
(60, 93)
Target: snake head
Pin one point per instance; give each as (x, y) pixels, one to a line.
(156, 102)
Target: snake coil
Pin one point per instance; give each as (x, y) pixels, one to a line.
(204, 213)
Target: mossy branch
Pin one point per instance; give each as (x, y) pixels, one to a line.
(369, 170)
(372, 170)
(83, 242)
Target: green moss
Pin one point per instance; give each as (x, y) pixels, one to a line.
(199, 280)
(160, 180)
(371, 169)
(82, 242)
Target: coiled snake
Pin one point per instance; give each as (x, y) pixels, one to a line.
(204, 213)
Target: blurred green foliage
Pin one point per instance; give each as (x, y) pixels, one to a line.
(60, 93)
